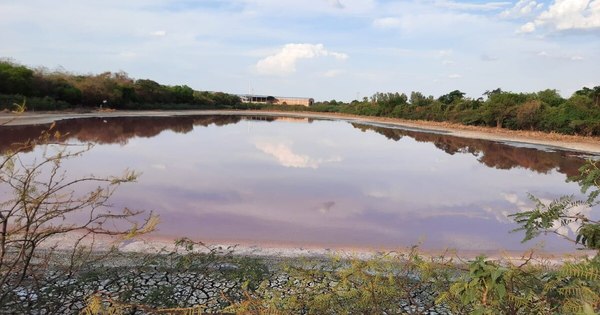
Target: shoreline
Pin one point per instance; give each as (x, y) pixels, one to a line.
(552, 140)
(269, 250)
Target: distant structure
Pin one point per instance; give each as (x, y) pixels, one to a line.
(276, 100)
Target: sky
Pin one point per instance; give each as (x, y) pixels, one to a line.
(324, 49)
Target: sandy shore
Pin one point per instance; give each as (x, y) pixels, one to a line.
(567, 142)
(272, 252)
(152, 244)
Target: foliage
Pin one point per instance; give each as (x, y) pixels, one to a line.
(20, 108)
(41, 208)
(452, 97)
(15, 79)
(556, 216)
(386, 284)
(545, 110)
(59, 90)
(33, 103)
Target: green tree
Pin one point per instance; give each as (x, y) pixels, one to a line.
(148, 91)
(550, 97)
(592, 93)
(528, 115)
(15, 79)
(499, 106)
(489, 93)
(182, 94)
(418, 99)
(451, 97)
(387, 102)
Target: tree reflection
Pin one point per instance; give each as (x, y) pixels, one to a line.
(121, 129)
(490, 153)
(112, 130)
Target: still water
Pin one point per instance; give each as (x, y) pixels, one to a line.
(304, 182)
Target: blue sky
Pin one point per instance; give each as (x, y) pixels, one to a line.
(326, 49)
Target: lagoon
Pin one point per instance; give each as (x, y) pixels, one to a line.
(284, 181)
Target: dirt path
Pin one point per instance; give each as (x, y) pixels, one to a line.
(576, 143)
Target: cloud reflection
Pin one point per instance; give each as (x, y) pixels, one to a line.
(326, 206)
(283, 153)
(159, 166)
(567, 230)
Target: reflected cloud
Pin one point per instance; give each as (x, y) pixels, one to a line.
(567, 230)
(160, 167)
(378, 194)
(326, 206)
(283, 153)
(450, 213)
(500, 214)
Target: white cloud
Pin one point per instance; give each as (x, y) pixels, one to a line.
(387, 22)
(284, 61)
(560, 56)
(527, 28)
(332, 73)
(523, 8)
(444, 53)
(486, 57)
(128, 54)
(455, 76)
(310, 7)
(336, 4)
(486, 6)
(159, 33)
(564, 15)
(286, 157)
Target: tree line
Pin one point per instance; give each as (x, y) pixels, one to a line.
(544, 111)
(54, 90)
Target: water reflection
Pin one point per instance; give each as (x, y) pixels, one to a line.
(330, 183)
(285, 155)
(120, 129)
(490, 153)
(111, 130)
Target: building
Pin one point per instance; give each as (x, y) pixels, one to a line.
(276, 100)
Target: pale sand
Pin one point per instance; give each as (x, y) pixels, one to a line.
(152, 245)
(574, 143)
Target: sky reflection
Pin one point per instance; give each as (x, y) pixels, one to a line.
(323, 183)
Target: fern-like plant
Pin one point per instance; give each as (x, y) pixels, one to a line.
(20, 108)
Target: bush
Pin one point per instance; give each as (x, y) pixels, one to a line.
(33, 103)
